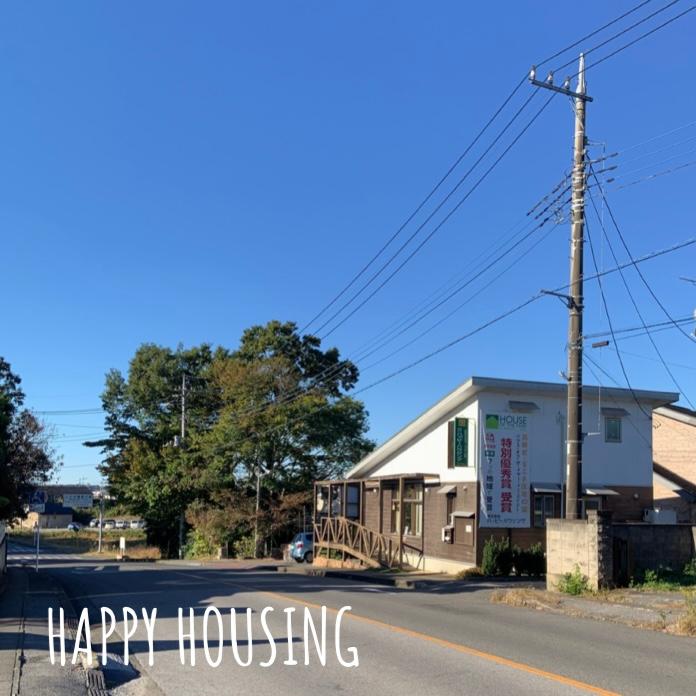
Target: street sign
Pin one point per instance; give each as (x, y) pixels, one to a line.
(37, 502)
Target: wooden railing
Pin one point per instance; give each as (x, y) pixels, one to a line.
(352, 538)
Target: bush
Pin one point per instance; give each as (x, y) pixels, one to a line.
(529, 561)
(497, 557)
(244, 547)
(198, 546)
(690, 569)
(574, 583)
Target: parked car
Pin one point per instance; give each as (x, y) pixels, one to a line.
(74, 526)
(137, 524)
(94, 522)
(109, 524)
(302, 547)
(122, 524)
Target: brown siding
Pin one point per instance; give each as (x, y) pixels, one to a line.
(371, 508)
(435, 518)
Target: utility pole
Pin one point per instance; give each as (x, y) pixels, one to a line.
(101, 515)
(574, 299)
(183, 434)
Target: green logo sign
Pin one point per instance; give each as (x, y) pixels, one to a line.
(492, 421)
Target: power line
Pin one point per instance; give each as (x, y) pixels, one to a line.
(638, 270)
(459, 159)
(480, 180)
(461, 180)
(616, 403)
(637, 328)
(638, 312)
(608, 315)
(418, 208)
(621, 33)
(641, 37)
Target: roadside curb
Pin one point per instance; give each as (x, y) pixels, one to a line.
(94, 677)
(359, 576)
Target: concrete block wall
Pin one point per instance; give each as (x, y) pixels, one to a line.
(584, 544)
(654, 545)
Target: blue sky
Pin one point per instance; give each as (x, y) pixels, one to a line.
(175, 172)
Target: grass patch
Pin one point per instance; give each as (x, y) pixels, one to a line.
(525, 597)
(467, 573)
(665, 579)
(84, 541)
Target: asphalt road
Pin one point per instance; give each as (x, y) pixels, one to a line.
(447, 640)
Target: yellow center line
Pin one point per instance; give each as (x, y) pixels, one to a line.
(464, 649)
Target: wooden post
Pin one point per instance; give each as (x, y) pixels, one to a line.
(401, 521)
(381, 508)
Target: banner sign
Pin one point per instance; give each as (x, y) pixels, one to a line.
(505, 471)
(461, 442)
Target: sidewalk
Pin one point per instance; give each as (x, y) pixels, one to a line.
(25, 666)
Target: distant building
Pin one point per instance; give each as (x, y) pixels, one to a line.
(674, 461)
(55, 516)
(488, 460)
(70, 496)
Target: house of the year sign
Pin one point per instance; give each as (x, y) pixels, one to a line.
(505, 470)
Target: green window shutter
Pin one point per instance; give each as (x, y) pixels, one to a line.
(461, 442)
(450, 445)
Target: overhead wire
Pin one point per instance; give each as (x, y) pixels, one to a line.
(638, 312)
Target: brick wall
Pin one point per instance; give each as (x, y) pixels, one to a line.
(674, 446)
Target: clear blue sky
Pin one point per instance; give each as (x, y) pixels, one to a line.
(175, 172)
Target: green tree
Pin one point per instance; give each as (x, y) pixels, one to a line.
(26, 456)
(276, 410)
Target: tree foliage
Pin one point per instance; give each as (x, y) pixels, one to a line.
(26, 456)
(275, 409)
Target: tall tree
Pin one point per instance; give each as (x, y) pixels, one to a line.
(274, 412)
(26, 456)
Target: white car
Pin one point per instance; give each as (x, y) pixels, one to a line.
(109, 524)
(137, 524)
(94, 522)
(122, 524)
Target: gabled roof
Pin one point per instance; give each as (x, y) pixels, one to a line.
(681, 486)
(453, 402)
(678, 413)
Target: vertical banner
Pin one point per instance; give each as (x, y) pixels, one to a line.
(505, 470)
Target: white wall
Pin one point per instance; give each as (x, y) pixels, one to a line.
(428, 453)
(628, 463)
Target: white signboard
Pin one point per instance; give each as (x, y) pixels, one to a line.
(77, 500)
(505, 470)
(37, 502)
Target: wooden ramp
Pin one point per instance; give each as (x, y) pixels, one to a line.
(353, 539)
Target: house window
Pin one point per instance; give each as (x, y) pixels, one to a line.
(413, 509)
(353, 501)
(612, 429)
(544, 508)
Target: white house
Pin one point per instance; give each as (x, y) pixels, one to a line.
(489, 460)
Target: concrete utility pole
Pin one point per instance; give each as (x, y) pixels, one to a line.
(101, 515)
(574, 300)
(183, 434)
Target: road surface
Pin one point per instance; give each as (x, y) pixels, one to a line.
(447, 640)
